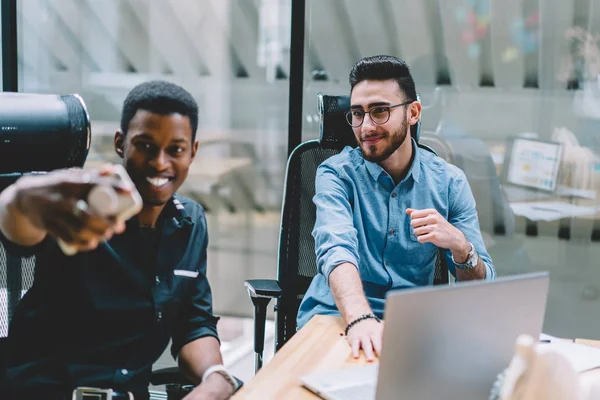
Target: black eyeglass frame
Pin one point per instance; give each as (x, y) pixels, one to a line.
(389, 109)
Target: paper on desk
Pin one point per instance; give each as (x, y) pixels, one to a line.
(581, 357)
(550, 211)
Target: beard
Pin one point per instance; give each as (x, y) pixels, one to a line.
(392, 142)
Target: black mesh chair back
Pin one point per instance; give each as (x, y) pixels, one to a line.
(39, 133)
(297, 261)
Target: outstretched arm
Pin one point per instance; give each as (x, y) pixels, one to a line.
(55, 204)
(347, 289)
(338, 260)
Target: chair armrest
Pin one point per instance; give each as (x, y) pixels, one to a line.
(265, 288)
(165, 376)
(261, 291)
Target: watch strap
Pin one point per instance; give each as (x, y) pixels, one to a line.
(221, 370)
(469, 263)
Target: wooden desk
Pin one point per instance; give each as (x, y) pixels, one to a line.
(320, 345)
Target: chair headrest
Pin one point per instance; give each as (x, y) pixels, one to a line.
(42, 132)
(335, 132)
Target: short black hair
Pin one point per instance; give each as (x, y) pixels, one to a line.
(383, 68)
(159, 97)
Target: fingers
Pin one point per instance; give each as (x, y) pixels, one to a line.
(428, 220)
(87, 220)
(79, 183)
(376, 341)
(83, 229)
(119, 227)
(106, 169)
(364, 343)
(423, 222)
(423, 230)
(367, 347)
(63, 232)
(414, 214)
(367, 337)
(355, 345)
(428, 238)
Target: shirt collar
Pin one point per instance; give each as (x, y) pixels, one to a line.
(415, 167)
(175, 213)
(375, 170)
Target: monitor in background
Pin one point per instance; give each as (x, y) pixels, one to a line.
(533, 164)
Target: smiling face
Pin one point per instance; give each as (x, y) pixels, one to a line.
(379, 141)
(157, 152)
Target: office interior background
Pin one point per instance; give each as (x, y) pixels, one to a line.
(487, 71)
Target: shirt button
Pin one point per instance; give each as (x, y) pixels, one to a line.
(392, 231)
(159, 316)
(124, 371)
(393, 194)
(157, 280)
(387, 263)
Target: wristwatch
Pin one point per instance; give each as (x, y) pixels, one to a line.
(471, 262)
(221, 370)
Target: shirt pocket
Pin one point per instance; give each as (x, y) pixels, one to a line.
(185, 273)
(175, 292)
(179, 283)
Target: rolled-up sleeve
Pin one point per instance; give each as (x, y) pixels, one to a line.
(196, 319)
(336, 240)
(463, 215)
(23, 251)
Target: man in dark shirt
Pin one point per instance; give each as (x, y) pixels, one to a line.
(102, 317)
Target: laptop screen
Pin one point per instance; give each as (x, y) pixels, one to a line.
(534, 164)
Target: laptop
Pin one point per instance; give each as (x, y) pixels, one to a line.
(531, 169)
(443, 342)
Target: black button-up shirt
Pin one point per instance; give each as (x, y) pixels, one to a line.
(102, 318)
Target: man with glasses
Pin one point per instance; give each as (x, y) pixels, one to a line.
(384, 209)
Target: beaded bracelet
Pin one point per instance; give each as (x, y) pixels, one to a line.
(361, 318)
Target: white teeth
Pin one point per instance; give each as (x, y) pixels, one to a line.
(158, 182)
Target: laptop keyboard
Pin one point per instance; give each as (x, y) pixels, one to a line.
(360, 392)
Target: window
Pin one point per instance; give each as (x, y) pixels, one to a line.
(232, 56)
(490, 72)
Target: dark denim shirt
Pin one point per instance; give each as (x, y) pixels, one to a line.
(102, 318)
(361, 219)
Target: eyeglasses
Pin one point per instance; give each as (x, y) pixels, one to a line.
(379, 115)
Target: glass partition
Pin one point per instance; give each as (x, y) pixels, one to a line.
(0, 51)
(232, 55)
(489, 73)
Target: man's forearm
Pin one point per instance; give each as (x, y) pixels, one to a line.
(478, 272)
(460, 254)
(197, 356)
(14, 224)
(194, 359)
(347, 289)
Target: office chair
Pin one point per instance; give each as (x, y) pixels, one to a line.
(297, 261)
